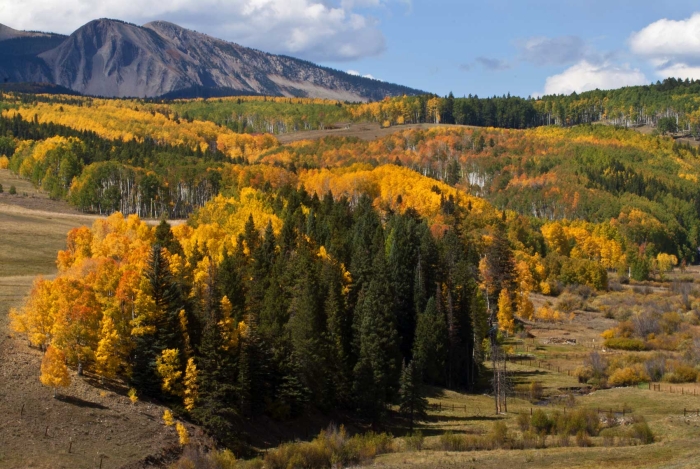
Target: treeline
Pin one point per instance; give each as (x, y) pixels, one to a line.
(320, 313)
(103, 176)
(507, 111)
(634, 105)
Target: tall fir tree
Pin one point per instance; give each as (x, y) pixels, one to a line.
(412, 401)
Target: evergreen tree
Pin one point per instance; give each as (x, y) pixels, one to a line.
(164, 238)
(430, 347)
(412, 401)
(165, 331)
(377, 369)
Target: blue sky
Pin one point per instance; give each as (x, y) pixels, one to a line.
(479, 47)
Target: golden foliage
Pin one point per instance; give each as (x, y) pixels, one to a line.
(168, 419)
(54, 372)
(191, 385)
(168, 368)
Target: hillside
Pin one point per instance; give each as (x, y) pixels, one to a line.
(116, 59)
(350, 276)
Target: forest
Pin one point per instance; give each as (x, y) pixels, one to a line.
(337, 274)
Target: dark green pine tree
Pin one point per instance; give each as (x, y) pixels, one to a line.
(216, 406)
(166, 326)
(230, 281)
(430, 346)
(377, 369)
(307, 327)
(165, 238)
(412, 401)
(425, 271)
(402, 246)
(339, 331)
(253, 371)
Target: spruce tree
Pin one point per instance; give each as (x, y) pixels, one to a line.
(412, 401)
(165, 323)
(377, 369)
(430, 347)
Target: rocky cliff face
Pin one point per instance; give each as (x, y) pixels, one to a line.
(117, 59)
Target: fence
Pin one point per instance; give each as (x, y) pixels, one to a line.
(439, 407)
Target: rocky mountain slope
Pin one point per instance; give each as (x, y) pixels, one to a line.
(117, 59)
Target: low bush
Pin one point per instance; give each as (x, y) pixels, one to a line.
(681, 374)
(451, 442)
(540, 422)
(414, 442)
(622, 343)
(640, 431)
(628, 376)
(331, 447)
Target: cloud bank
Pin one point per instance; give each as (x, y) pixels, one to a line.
(672, 47)
(587, 76)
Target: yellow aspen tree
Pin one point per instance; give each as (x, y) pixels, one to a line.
(107, 356)
(133, 396)
(191, 385)
(505, 312)
(182, 433)
(227, 325)
(54, 372)
(185, 335)
(526, 309)
(168, 418)
(168, 368)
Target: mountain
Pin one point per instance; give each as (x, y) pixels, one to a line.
(116, 59)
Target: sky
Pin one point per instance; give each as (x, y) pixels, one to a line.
(484, 48)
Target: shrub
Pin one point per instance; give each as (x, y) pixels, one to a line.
(523, 422)
(621, 343)
(628, 376)
(583, 440)
(568, 303)
(576, 421)
(332, 446)
(414, 442)
(451, 442)
(681, 374)
(640, 430)
(540, 422)
(1, 189)
(499, 434)
(13, 190)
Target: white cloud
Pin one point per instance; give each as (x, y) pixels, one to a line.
(312, 29)
(355, 73)
(680, 70)
(668, 38)
(672, 47)
(586, 76)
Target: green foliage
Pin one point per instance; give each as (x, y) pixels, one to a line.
(622, 343)
(412, 401)
(13, 190)
(583, 272)
(331, 447)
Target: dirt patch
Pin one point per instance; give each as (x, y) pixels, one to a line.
(367, 131)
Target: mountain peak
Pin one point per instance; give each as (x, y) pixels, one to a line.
(108, 57)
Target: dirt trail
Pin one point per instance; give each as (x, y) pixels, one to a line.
(366, 131)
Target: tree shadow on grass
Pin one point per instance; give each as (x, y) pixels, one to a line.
(76, 401)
